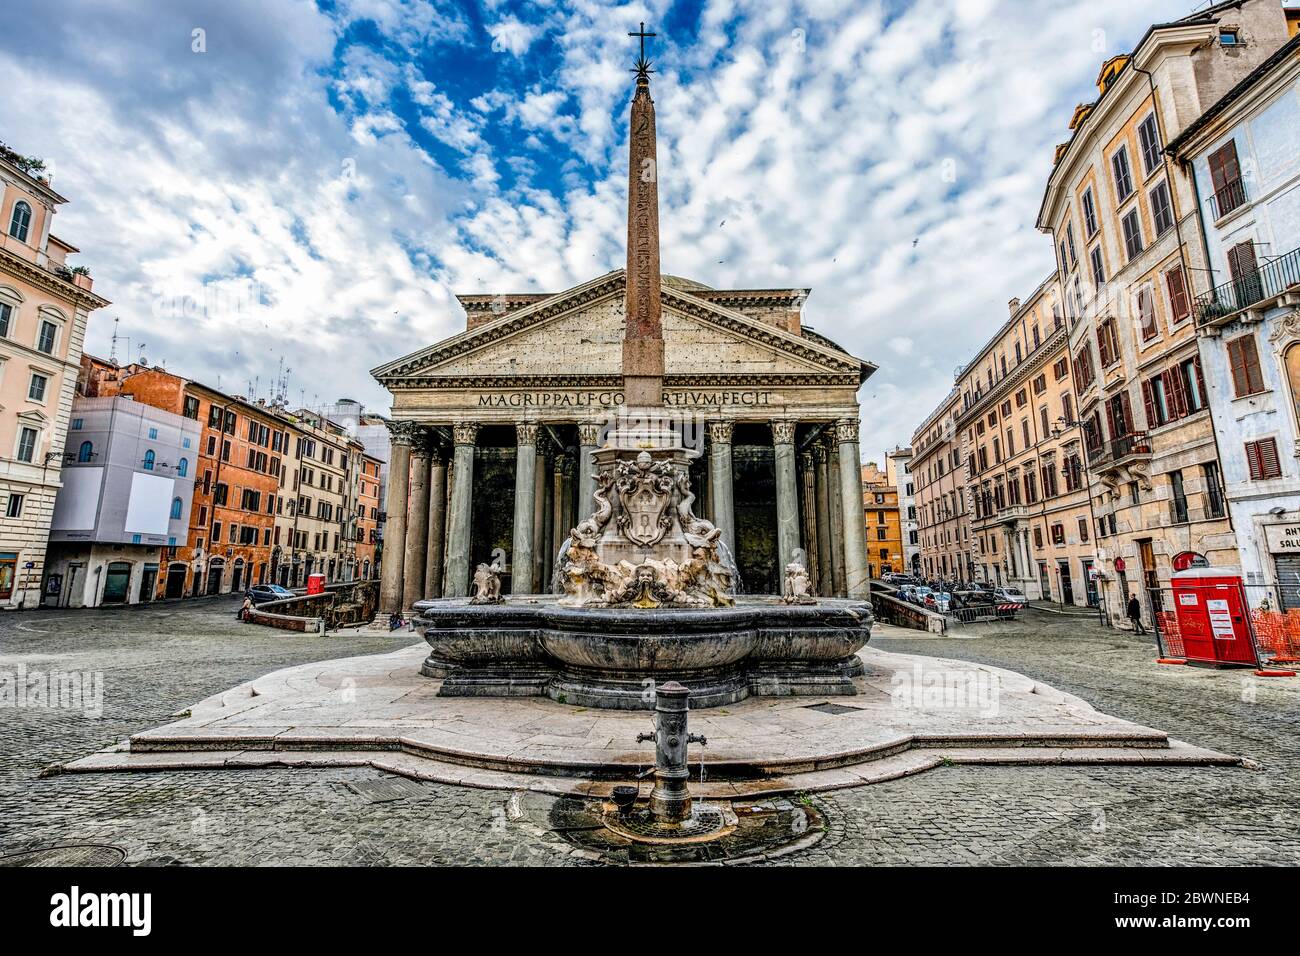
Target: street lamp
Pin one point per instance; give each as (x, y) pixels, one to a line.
(1059, 427)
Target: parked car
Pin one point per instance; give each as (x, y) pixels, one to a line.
(972, 597)
(940, 601)
(1010, 596)
(261, 593)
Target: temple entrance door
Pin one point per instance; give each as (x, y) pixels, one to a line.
(754, 470)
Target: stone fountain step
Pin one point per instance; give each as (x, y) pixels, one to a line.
(378, 711)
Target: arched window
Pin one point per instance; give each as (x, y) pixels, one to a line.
(86, 452)
(182, 467)
(20, 221)
(1292, 359)
(148, 460)
(176, 507)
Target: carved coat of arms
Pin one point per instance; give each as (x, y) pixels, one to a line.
(644, 491)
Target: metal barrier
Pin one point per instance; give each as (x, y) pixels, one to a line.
(1275, 632)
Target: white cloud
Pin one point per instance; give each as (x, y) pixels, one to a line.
(800, 144)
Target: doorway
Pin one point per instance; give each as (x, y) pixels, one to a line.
(148, 583)
(237, 575)
(1067, 583)
(215, 572)
(117, 577)
(176, 581)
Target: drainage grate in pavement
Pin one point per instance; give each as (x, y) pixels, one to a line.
(86, 854)
(833, 709)
(385, 791)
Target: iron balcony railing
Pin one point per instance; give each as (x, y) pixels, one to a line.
(1231, 196)
(1272, 280)
(1117, 449)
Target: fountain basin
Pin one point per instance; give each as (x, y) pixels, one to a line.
(614, 657)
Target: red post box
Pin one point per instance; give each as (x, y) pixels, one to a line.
(1213, 618)
(315, 584)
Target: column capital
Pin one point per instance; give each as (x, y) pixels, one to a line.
(589, 433)
(526, 433)
(720, 432)
(465, 433)
(819, 451)
(806, 460)
(846, 429)
(568, 464)
(403, 433)
(783, 433)
(423, 442)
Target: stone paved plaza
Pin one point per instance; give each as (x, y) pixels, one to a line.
(159, 660)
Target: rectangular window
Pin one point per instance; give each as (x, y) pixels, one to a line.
(1089, 213)
(1083, 530)
(153, 434)
(191, 407)
(1149, 137)
(1107, 343)
(15, 507)
(1123, 175)
(1058, 534)
(1146, 307)
(36, 390)
(1243, 358)
(1060, 369)
(1132, 235)
(1179, 306)
(1225, 179)
(1084, 373)
(1098, 266)
(27, 444)
(1162, 210)
(6, 312)
(49, 333)
(1262, 458)
(1069, 242)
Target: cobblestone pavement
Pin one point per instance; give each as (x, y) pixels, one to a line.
(156, 661)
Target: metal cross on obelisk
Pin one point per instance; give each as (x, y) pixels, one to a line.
(643, 342)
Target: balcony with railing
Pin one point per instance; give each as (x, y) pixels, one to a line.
(1117, 451)
(1269, 283)
(1231, 196)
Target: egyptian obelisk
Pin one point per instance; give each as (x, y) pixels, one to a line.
(643, 340)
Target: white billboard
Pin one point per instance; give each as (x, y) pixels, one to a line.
(150, 507)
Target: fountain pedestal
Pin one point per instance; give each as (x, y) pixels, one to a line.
(670, 800)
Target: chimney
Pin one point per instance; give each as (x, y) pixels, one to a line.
(1014, 306)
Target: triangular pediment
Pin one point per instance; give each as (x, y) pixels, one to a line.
(579, 333)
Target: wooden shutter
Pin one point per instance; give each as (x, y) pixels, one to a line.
(1147, 310)
(1174, 282)
(1269, 464)
(1241, 260)
(1103, 345)
(1223, 166)
(1149, 400)
(1175, 393)
(1243, 358)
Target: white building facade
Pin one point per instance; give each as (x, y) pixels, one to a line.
(128, 484)
(1244, 155)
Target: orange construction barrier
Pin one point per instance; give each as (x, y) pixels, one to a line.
(1278, 635)
(1171, 637)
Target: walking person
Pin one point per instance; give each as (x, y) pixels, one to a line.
(1134, 612)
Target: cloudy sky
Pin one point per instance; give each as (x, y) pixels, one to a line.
(257, 180)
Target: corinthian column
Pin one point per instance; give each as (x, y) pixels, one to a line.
(836, 501)
(437, 522)
(825, 573)
(417, 522)
(787, 494)
(540, 485)
(721, 497)
(399, 466)
(856, 570)
(588, 439)
(808, 512)
(456, 581)
(521, 561)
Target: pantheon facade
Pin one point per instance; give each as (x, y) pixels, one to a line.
(493, 429)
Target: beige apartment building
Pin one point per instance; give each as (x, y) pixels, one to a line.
(1131, 261)
(1030, 516)
(44, 306)
(316, 517)
(942, 505)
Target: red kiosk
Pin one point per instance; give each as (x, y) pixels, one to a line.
(1213, 617)
(315, 584)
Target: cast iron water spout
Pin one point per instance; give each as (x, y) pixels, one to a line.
(670, 800)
